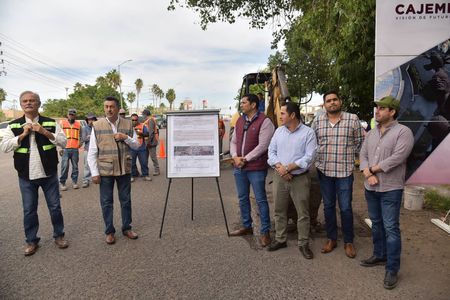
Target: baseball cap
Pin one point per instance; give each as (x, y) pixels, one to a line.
(389, 102)
(91, 116)
(72, 111)
(146, 112)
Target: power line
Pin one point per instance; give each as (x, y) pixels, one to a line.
(32, 76)
(36, 73)
(17, 46)
(11, 59)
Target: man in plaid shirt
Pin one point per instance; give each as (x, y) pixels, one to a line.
(339, 137)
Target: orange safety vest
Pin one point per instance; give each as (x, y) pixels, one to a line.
(140, 126)
(72, 132)
(155, 128)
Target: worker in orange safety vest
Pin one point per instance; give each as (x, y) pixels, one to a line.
(72, 129)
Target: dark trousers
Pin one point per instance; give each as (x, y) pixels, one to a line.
(384, 212)
(107, 201)
(30, 194)
(340, 189)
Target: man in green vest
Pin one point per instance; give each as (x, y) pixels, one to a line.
(109, 159)
(34, 138)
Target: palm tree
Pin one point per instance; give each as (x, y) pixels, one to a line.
(113, 78)
(139, 83)
(158, 92)
(170, 96)
(131, 97)
(2, 97)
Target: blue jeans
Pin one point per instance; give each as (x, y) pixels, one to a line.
(143, 161)
(340, 189)
(87, 171)
(107, 201)
(384, 212)
(30, 194)
(258, 181)
(72, 155)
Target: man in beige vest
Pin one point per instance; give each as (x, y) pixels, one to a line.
(109, 159)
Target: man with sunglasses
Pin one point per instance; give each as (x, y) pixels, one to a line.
(248, 147)
(141, 152)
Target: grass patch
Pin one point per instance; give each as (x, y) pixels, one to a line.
(434, 200)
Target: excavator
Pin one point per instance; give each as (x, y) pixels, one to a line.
(274, 87)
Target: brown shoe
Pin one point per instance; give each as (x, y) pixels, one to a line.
(350, 250)
(242, 231)
(130, 234)
(30, 249)
(264, 239)
(110, 239)
(61, 242)
(329, 246)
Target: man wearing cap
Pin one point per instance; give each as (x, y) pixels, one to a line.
(71, 128)
(34, 138)
(122, 113)
(85, 137)
(153, 139)
(141, 152)
(383, 162)
(339, 137)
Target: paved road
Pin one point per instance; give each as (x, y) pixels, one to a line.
(193, 260)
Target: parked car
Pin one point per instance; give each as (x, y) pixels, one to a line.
(3, 126)
(161, 120)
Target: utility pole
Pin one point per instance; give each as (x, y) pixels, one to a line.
(120, 80)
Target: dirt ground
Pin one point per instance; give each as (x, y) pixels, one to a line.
(425, 247)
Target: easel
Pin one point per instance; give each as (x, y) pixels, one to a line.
(192, 204)
(210, 117)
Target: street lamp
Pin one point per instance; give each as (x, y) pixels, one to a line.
(120, 80)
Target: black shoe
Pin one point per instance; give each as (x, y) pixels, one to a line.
(373, 261)
(307, 253)
(276, 245)
(390, 280)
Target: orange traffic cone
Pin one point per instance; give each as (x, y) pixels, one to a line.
(162, 152)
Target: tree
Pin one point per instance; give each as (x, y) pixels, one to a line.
(329, 43)
(157, 92)
(113, 78)
(151, 108)
(85, 98)
(170, 96)
(139, 84)
(130, 98)
(3, 95)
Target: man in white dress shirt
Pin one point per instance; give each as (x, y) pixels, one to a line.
(34, 138)
(109, 159)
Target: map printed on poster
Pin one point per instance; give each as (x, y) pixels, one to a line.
(412, 64)
(193, 144)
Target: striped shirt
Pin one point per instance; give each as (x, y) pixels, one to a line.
(338, 143)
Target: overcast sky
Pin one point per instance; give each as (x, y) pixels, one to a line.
(81, 40)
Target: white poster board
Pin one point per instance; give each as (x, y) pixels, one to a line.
(412, 64)
(193, 144)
